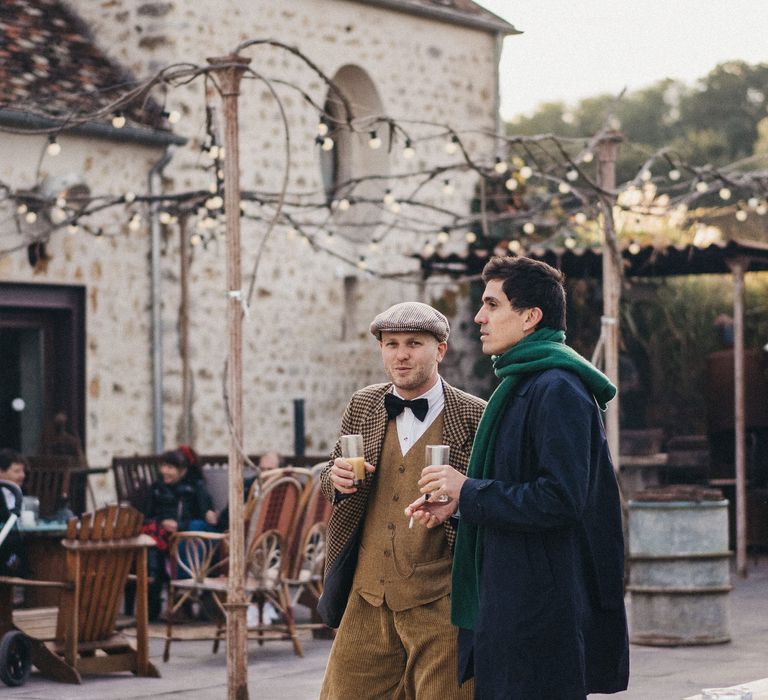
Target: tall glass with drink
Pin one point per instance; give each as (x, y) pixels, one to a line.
(352, 452)
(435, 455)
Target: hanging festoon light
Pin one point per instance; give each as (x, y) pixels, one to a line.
(30, 217)
(374, 140)
(322, 127)
(572, 175)
(674, 174)
(326, 143)
(741, 215)
(645, 175)
(633, 248)
(57, 215)
(724, 193)
(195, 239)
(409, 151)
(389, 198)
(129, 197)
(22, 209)
(702, 187)
(53, 148)
(471, 237)
(580, 218)
(212, 203)
(587, 157)
(500, 166)
(752, 202)
(164, 218)
(761, 208)
(444, 236)
(452, 146)
(343, 204)
(135, 223)
(447, 187)
(529, 227)
(172, 116)
(73, 228)
(118, 120)
(511, 183)
(569, 242)
(563, 188)
(526, 172)
(362, 263)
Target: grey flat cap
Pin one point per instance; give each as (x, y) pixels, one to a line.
(411, 316)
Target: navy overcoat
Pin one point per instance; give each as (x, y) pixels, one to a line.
(552, 624)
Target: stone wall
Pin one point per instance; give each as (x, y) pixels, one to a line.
(295, 346)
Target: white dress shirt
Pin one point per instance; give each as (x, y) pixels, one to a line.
(410, 428)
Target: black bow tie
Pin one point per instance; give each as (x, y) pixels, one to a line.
(395, 405)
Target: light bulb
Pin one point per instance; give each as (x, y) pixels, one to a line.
(429, 250)
(572, 175)
(443, 236)
(471, 237)
(327, 144)
(174, 116)
(129, 197)
(526, 171)
(563, 188)
(58, 215)
(30, 217)
(164, 218)
(447, 187)
(389, 198)
(215, 202)
(511, 184)
(580, 218)
(322, 128)
(135, 223)
(588, 157)
(374, 142)
(195, 239)
(214, 151)
(22, 209)
(741, 215)
(645, 175)
(752, 202)
(452, 146)
(362, 264)
(724, 193)
(54, 148)
(118, 120)
(761, 209)
(674, 174)
(343, 204)
(395, 207)
(514, 246)
(633, 248)
(528, 227)
(73, 229)
(408, 151)
(570, 242)
(61, 201)
(702, 187)
(500, 166)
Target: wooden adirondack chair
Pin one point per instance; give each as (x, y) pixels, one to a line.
(79, 637)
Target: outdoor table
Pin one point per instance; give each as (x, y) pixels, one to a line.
(45, 560)
(758, 688)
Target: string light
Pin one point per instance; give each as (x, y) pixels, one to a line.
(322, 128)
(645, 175)
(362, 264)
(129, 197)
(389, 198)
(164, 218)
(528, 227)
(633, 248)
(118, 120)
(443, 236)
(674, 174)
(215, 202)
(511, 184)
(761, 208)
(741, 215)
(327, 144)
(61, 201)
(22, 209)
(588, 157)
(514, 246)
(53, 148)
(724, 193)
(500, 166)
(72, 229)
(471, 237)
(525, 172)
(374, 141)
(752, 202)
(702, 187)
(58, 215)
(580, 218)
(572, 175)
(447, 187)
(395, 207)
(373, 246)
(408, 151)
(195, 239)
(343, 204)
(570, 242)
(452, 146)
(30, 217)
(135, 223)
(214, 152)
(563, 188)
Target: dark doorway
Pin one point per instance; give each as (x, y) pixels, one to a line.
(42, 361)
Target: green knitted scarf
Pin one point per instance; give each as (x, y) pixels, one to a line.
(541, 350)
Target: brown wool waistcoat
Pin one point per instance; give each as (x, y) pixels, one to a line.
(365, 414)
(404, 567)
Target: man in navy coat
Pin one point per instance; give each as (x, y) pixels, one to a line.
(539, 558)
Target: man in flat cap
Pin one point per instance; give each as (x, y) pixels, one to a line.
(387, 586)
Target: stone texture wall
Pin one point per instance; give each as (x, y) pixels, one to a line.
(422, 70)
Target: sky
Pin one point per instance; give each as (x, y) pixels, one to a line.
(571, 49)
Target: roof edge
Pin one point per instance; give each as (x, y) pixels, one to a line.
(487, 22)
(128, 134)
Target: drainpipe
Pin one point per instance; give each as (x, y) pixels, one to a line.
(498, 126)
(154, 187)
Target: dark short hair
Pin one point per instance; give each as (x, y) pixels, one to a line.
(9, 457)
(183, 457)
(530, 283)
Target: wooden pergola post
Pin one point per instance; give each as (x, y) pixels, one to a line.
(229, 72)
(738, 267)
(608, 148)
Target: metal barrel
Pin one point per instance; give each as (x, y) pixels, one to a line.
(679, 573)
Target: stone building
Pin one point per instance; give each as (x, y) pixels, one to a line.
(76, 309)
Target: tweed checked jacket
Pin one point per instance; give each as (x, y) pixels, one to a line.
(366, 415)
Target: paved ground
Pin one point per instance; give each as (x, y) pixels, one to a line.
(658, 673)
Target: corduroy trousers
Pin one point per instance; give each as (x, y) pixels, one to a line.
(380, 654)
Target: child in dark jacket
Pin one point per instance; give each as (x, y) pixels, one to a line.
(177, 501)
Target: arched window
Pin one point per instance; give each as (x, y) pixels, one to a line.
(352, 156)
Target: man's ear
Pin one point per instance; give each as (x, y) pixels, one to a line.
(532, 318)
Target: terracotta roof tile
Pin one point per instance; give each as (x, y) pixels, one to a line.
(50, 65)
